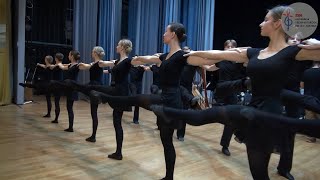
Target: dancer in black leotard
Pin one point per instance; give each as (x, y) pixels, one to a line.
(57, 75)
(228, 71)
(171, 66)
(120, 73)
(96, 72)
(267, 69)
(71, 73)
(136, 75)
(55, 86)
(47, 76)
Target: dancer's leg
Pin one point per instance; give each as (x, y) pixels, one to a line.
(117, 116)
(238, 117)
(258, 162)
(70, 112)
(308, 102)
(95, 122)
(142, 100)
(57, 105)
(49, 105)
(169, 151)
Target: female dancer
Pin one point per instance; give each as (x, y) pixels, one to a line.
(120, 73)
(55, 86)
(171, 66)
(96, 72)
(57, 75)
(47, 77)
(266, 68)
(72, 71)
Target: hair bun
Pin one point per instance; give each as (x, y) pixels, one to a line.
(183, 38)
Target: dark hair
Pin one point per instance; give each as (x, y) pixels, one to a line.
(277, 11)
(75, 54)
(180, 31)
(232, 41)
(59, 56)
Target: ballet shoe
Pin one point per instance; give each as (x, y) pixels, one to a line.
(180, 139)
(286, 175)
(158, 110)
(91, 139)
(69, 130)
(54, 121)
(115, 156)
(225, 151)
(167, 178)
(47, 116)
(95, 97)
(135, 122)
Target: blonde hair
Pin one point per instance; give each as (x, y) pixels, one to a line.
(126, 44)
(49, 59)
(99, 51)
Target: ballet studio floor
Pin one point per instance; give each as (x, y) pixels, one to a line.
(31, 147)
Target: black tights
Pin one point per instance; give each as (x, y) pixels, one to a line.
(117, 116)
(145, 101)
(85, 89)
(141, 100)
(255, 121)
(57, 105)
(287, 97)
(49, 104)
(70, 109)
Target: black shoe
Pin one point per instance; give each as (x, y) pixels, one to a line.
(47, 116)
(225, 151)
(69, 130)
(95, 97)
(54, 121)
(166, 178)
(115, 156)
(135, 122)
(91, 139)
(180, 138)
(286, 175)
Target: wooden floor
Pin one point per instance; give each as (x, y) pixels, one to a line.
(33, 148)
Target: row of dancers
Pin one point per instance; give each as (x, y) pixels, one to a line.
(257, 125)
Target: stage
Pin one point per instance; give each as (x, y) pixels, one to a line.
(31, 147)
